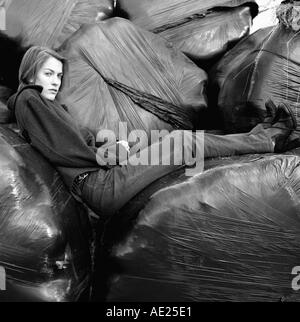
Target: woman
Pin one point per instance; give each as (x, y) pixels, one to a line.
(47, 125)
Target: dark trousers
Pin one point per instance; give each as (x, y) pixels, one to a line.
(106, 191)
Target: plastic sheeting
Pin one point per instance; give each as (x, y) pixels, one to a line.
(122, 73)
(44, 22)
(201, 29)
(264, 65)
(230, 233)
(45, 235)
(4, 112)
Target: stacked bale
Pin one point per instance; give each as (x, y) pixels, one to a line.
(49, 23)
(214, 237)
(201, 29)
(228, 234)
(122, 73)
(262, 66)
(45, 235)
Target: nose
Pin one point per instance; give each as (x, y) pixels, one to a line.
(56, 81)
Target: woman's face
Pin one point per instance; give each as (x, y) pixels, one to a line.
(49, 76)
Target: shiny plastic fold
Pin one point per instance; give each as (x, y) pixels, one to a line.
(228, 234)
(49, 23)
(201, 29)
(122, 73)
(45, 235)
(262, 66)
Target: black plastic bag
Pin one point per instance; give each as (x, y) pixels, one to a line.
(264, 65)
(45, 235)
(5, 115)
(122, 73)
(228, 234)
(201, 29)
(49, 23)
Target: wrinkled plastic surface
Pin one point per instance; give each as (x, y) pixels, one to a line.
(45, 235)
(230, 80)
(122, 73)
(264, 65)
(4, 112)
(201, 29)
(230, 233)
(43, 22)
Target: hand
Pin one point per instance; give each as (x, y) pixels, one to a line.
(115, 153)
(124, 144)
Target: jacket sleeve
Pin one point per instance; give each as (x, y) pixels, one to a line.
(52, 136)
(88, 136)
(85, 132)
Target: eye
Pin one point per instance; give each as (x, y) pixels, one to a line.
(48, 74)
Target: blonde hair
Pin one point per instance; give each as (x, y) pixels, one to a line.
(33, 60)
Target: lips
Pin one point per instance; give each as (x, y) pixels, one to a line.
(54, 91)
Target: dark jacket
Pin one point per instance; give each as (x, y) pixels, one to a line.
(49, 128)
